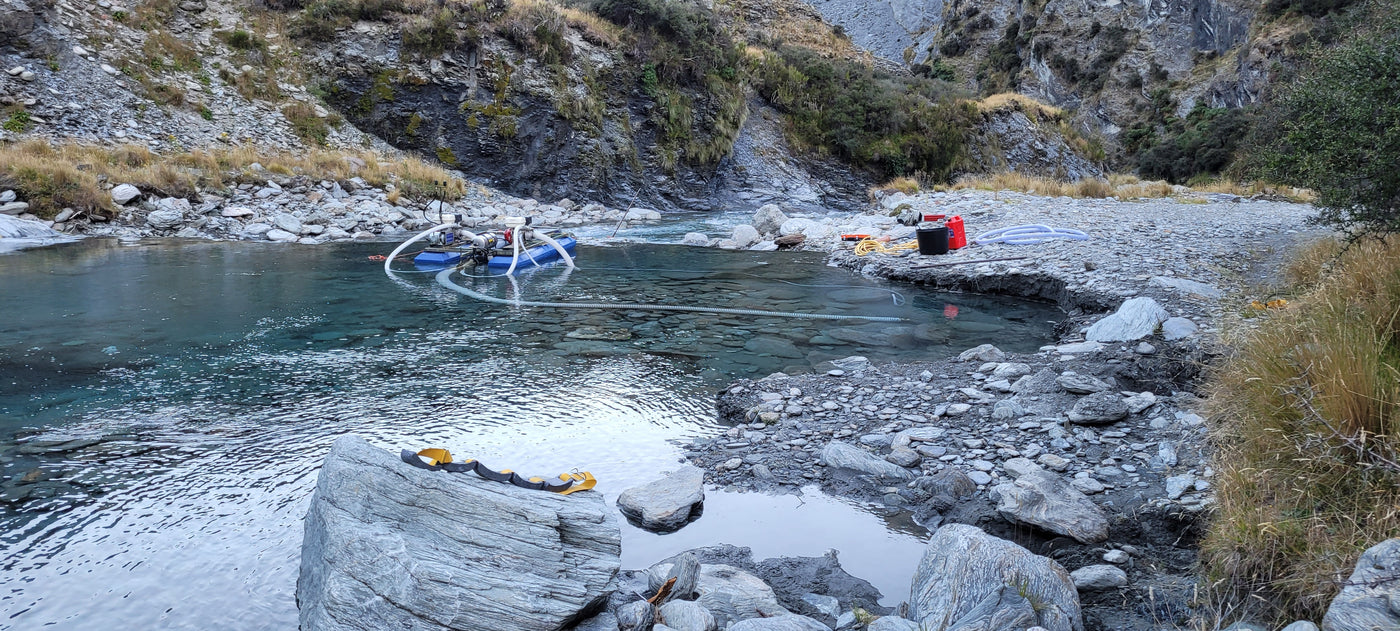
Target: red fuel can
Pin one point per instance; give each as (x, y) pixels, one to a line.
(956, 237)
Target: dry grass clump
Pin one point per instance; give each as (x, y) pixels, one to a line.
(906, 185)
(1307, 428)
(593, 28)
(53, 177)
(1021, 102)
(1036, 185)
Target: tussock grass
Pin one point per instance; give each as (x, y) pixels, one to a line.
(1021, 102)
(1306, 421)
(906, 185)
(1119, 185)
(53, 177)
(1035, 185)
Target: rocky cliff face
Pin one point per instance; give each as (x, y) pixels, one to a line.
(1103, 60)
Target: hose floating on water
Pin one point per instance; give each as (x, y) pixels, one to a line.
(444, 278)
(404, 246)
(1029, 234)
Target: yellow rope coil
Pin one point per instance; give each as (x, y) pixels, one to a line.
(866, 246)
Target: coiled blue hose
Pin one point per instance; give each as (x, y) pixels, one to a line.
(1029, 234)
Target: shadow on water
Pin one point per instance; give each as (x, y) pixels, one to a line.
(164, 407)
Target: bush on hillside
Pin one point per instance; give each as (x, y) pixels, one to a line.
(892, 124)
(1202, 144)
(1336, 130)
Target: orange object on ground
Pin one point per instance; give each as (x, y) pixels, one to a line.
(854, 237)
(956, 237)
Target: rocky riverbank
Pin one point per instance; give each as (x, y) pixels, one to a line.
(1091, 451)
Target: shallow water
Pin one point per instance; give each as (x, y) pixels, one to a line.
(203, 383)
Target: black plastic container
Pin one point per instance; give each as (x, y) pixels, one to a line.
(932, 240)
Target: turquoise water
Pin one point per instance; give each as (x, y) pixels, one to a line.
(164, 405)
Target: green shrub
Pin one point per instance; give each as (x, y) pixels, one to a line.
(18, 122)
(1337, 129)
(1203, 143)
(430, 36)
(892, 124)
(307, 125)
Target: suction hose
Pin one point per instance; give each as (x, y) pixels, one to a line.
(568, 260)
(403, 246)
(515, 247)
(1029, 234)
(444, 278)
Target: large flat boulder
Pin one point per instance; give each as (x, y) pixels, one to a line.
(392, 546)
(844, 456)
(666, 504)
(1135, 319)
(969, 579)
(1041, 498)
(1371, 597)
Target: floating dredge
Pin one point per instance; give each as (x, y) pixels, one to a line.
(449, 244)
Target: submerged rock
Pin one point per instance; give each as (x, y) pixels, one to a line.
(665, 504)
(391, 546)
(966, 577)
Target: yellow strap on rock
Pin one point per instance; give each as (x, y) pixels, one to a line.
(436, 456)
(582, 482)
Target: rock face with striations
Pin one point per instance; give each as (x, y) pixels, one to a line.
(391, 546)
(1044, 499)
(843, 456)
(1371, 598)
(1135, 319)
(968, 579)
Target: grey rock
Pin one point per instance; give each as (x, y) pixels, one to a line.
(950, 482)
(276, 234)
(635, 616)
(1011, 371)
(1044, 499)
(684, 615)
(745, 235)
(892, 623)
(731, 594)
(285, 221)
(501, 557)
(685, 568)
(979, 477)
(1076, 383)
(1247, 625)
(164, 218)
(1143, 348)
(123, 193)
(787, 622)
(963, 567)
(1098, 408)
(1117, 557)
(1042, 382)
(1087, 485)
(1188, 287)
(1301, 625)
(16, 228)
(1135, 319)
(1078, 348)
(1007, 409)
(1140, 401)
(982, 353)
(695, 238)
(7, 196)
(1178, 328)
(1098, 578)
(13, 208)
(769, 219)
(843, 456)
(825, 605)
(1178, 485)
(1054, 462)
(904, 457)
(604, 621)
(1370, 599)
(665, 504)
(846, 621)
(1001, 610)
(1017, 467)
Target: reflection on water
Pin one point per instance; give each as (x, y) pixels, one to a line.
(163, 407)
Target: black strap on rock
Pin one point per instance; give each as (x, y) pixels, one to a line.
(440, 460)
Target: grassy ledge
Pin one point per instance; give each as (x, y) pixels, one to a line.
(1306, 424)
(52, 177)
